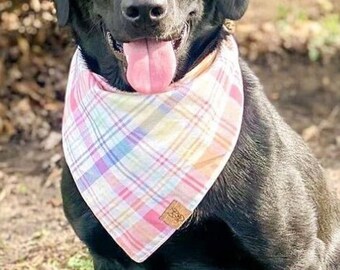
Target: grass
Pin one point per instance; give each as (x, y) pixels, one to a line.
(327, 41)
(318, 35)
(80, 262)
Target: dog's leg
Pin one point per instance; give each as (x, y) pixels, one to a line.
(101, 263)
(281, 222)
(286, 238)
(198, 266)
(272, 193)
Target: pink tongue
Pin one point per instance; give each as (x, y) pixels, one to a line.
(151, 65)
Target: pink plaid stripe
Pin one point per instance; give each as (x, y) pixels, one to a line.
(132, 155)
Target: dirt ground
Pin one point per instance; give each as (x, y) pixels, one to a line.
(33, 231)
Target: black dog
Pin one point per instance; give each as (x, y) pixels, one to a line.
(269, 208)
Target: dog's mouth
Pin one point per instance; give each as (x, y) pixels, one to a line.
(177, 41)
(150, 62)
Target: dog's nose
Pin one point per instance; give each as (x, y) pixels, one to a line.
(144, 10)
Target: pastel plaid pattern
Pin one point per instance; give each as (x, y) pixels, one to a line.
(132, 155)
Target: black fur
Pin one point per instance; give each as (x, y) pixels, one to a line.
(269, 208)
(63, 11)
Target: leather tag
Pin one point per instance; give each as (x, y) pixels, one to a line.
(175, 215)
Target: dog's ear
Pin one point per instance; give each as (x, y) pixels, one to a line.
(233, 9)
(63, 11)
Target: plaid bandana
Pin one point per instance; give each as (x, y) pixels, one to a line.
(143, 163)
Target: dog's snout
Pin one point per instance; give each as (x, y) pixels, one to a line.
(144, 10)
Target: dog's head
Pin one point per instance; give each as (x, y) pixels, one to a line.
(145, 44)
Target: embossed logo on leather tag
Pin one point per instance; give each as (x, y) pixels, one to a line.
(175, 215)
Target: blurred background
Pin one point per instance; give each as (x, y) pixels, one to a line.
(293, 46)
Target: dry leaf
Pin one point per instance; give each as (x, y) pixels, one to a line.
(310, 133)
(52, 141)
